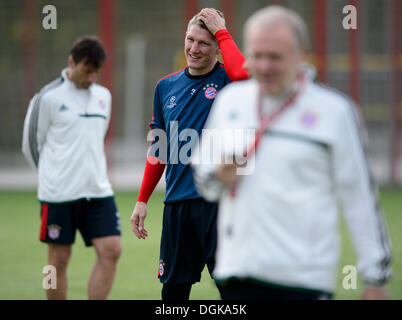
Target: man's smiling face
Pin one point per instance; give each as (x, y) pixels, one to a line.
(200, 49)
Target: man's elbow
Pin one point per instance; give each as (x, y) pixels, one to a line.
(240, 75)
(28, 155)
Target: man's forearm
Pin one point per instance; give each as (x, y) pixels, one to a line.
(233, 59)
(152, 174)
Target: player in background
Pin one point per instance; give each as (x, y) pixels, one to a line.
(277, 222)
(64, 133)
(182, 102)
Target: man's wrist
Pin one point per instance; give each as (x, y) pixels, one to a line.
(222, 35)
(221, 31)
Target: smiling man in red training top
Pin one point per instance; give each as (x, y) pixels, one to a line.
(182, 103)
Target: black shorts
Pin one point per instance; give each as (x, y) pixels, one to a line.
(188, 241)
(94, 218)
(251, 289)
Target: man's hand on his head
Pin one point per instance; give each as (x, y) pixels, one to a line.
(212, 20)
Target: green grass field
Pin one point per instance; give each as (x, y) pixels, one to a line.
(22, 256)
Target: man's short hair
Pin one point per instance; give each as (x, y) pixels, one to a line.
(195, 20)
(275, 14)
(90, 50)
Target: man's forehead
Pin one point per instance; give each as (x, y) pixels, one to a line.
(276, 29)
(196, 32)
(279, 34)
(86, 65)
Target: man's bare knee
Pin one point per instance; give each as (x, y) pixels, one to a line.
(59, 256)
(108, 248)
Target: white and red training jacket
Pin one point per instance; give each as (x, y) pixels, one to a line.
(282, 225)
(64, 135)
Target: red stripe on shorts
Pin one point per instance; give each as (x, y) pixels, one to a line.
(45, 208)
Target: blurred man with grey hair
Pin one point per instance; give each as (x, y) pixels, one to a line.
(277, 224)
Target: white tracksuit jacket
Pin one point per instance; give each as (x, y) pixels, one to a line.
(64, 139)
(281, 227)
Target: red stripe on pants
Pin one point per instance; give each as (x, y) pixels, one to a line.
(45, 208)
